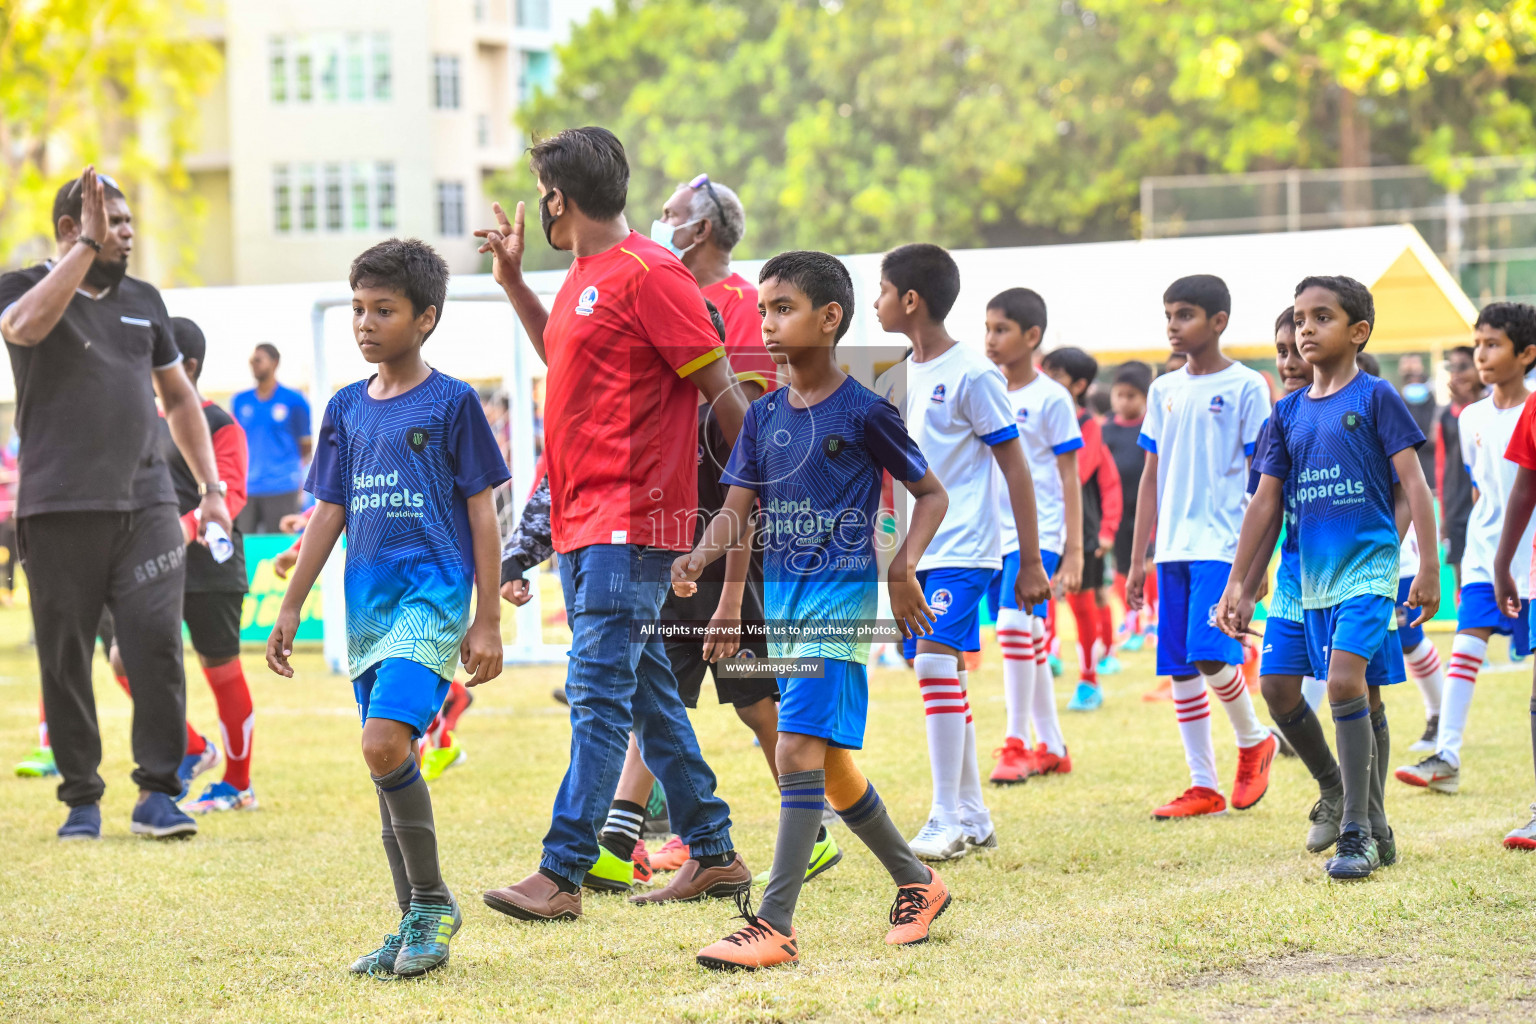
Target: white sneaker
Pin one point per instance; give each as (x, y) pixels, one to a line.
(938, 841)
(1523, 838)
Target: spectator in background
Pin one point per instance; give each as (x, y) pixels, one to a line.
(1420, 398)
(1122, 434)
(276, 424)
(1455, 479)
(701, 223)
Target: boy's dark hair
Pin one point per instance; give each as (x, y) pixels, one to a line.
(1023, 306)
(1462, 350)
(1354, 298)
(271, 351)
(1515, 319)
(1098, 399)
(588, 166)
(189, 341)
(1286, 320)
(928, 270)
(822, 278)
(69, 200)
(1076, 364)
(1207, 291)
(1368, 363)
(408, 266)
(1134, 374)
(716, 319)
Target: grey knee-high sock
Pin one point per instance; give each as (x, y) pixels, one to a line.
(1382, 755)
(396, 859)
(1304, 732)
(410, 813)
(868, 820)
(801, 795)
(1533, 730)
(1352, 735)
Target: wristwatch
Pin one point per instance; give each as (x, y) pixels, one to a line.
(88, 240)
(218, 487)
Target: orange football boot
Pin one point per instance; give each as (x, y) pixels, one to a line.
(915, 909)
(1013, 763)
(672, 855)
(1193, 802)
(1253, 772)
(755, 945)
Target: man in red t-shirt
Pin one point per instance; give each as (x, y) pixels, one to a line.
(629, 346)
(701, 223)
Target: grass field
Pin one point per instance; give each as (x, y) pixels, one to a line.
(1088, 911)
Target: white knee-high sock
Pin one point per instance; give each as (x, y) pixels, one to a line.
(1228, 687)
(1017, 642)
(1314, 691)
(1423, 664)
(1192, 707)
(1043, 703)
(944, 707)
(974, 815)
(1467, 653)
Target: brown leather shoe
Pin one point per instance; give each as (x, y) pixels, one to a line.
(535, 898)
(693, 882)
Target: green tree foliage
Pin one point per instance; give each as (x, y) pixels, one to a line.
(857, 124)
(113, 82)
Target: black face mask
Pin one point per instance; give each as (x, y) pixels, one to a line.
(546, 219)
(103, 275)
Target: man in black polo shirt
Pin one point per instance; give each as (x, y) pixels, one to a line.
(96, 512)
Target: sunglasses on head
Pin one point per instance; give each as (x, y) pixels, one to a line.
(105, 179)
(702, 181)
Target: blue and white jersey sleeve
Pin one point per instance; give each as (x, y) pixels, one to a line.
(1394, 423)
(741, 468)
(1061, 427)
(887, 441)
(1152, 423)
(1274, 459)
(1467, 437)
(986, 405)
(1253, 409)
(327, 469)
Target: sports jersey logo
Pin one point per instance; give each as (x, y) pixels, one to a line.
(279, 413)
(941, 600)
(1023, 417)
(1218, 404)
(587, 300)
(938, 394)
(701, 455)
(417, 438)
(833, 445)
(1351, 421)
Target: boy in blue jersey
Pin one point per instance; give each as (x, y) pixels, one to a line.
(813, 453)
(1286, 668)
(1329, 469)
(405, 464)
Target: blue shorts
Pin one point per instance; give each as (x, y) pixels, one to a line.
(955, 595)
(833, 707)
(1000, 592)
(1187, 596)
(1478, 610)
(1409, 636)
(400, 690)
(1362, 626)
(1285, 649)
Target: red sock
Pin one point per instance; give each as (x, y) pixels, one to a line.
(42, 725)
(1050, 625)
(454, 705)
(1087, 618)
(233, 698)
(1149, 599)
(1107, 628)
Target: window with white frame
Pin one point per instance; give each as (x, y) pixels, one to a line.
(445, 82)
(450, 208)
(278, 69)
(334, 198)
(329, 67)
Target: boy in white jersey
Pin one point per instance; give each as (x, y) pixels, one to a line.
(1506, 348)
(1202, 423)
(956, 409)
(1048, 429)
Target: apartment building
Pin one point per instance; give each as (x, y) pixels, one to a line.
(340, 122)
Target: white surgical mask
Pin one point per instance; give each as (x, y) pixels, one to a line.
(1416, 393)
(662, 234)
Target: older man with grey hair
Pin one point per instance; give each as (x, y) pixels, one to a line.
(701, 223)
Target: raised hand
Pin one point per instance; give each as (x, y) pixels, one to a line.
(505, 243)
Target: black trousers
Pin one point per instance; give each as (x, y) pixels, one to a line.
(133, 564)
(263, 512)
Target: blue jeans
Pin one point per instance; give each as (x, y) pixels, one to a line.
(614, 684)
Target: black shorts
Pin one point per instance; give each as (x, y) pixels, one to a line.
(213, 622)
(1093, 571)
(688, 665)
